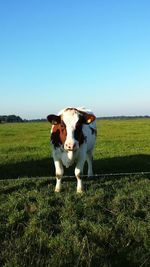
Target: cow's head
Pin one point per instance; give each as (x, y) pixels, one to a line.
(67, 128)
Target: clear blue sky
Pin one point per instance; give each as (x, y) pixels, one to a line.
(58, 53)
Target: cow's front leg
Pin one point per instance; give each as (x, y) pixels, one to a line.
(59, 170)
(78, 172)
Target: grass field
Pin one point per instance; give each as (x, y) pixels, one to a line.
(108, 225)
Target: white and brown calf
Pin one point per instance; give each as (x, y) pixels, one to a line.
(73, 136)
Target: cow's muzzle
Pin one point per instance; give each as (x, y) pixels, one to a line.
(70, 146)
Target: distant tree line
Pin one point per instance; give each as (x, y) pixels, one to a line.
(14, 118)
(10, 118)
(122, 117)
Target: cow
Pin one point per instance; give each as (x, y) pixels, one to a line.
(73, 136)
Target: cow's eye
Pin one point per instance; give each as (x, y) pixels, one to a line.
(63, 126)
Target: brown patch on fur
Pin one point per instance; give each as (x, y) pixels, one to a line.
(58, 135)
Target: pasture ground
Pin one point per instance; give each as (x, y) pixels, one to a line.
(108, 225)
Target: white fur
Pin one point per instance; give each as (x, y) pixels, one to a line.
(80, 155)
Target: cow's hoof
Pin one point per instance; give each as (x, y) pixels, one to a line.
(57, 190)
(80, 191)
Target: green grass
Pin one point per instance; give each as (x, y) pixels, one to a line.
(108, 225)
(122, 146)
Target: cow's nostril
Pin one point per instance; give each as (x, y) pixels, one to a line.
(70, 146)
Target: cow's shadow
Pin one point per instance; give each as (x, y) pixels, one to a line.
(45, 167)
(132, 163)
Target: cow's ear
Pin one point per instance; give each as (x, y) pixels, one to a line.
(54, 119)
(88, 118)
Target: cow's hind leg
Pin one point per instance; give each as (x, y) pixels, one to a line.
(59, 170)
(89, 161)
